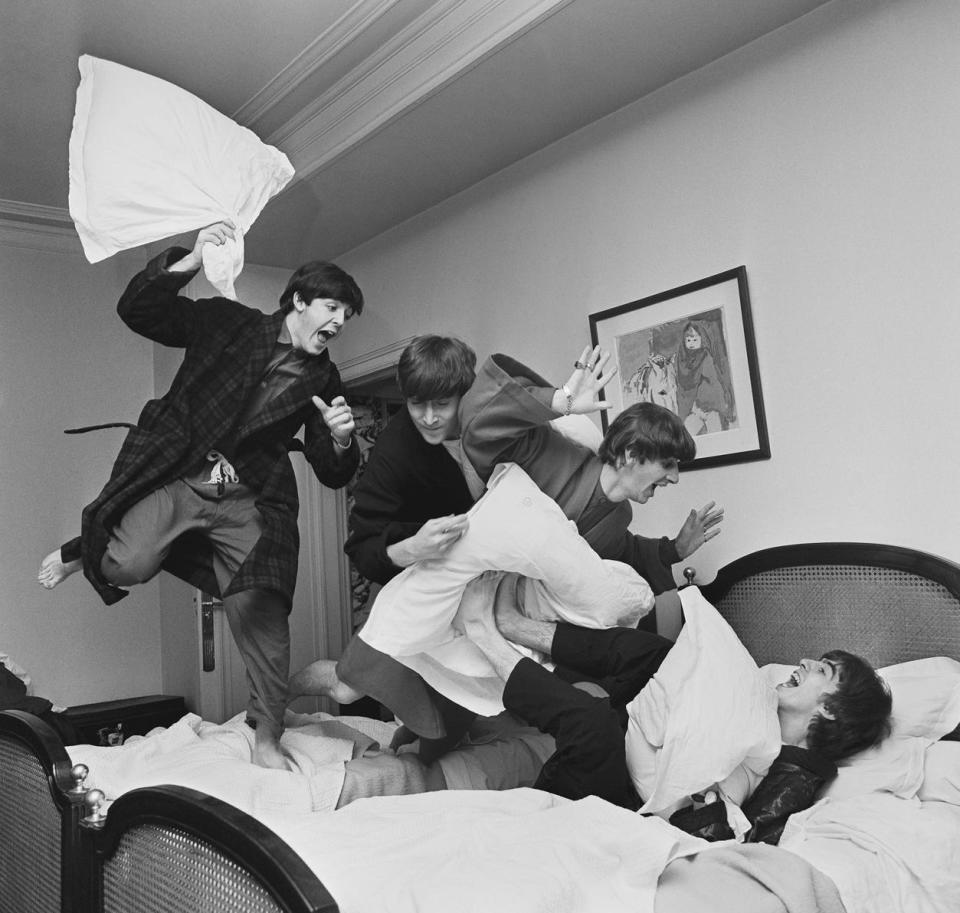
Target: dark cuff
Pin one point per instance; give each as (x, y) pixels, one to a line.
(668, 551)
(158, 269)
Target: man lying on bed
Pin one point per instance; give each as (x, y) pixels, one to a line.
(827, 710)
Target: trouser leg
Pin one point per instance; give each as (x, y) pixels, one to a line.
(456, 720)
(258, 618)
(141, 541)
(258, 622)
(71, 550)
(590, 757)
(621, 660)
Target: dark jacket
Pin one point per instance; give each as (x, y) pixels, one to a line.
(227, 348)
(405, 483)
(790, 786)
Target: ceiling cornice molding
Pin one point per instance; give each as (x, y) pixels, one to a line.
(321, 50)
(27, 226)
(361, 366)
(452, 37)
(34, 212)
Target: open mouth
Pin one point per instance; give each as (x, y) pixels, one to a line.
(794, 680)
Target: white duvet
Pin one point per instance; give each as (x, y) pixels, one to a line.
(885, 854)
(149, 160)
(477, 852)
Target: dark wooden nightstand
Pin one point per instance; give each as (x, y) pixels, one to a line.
(109, 722)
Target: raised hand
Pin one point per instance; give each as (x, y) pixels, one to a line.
(216, 234)
(338, 417)
(699, 527)
(586, 383)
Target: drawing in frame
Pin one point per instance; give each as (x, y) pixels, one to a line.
(692, 350)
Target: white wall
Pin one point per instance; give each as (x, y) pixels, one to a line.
(822, 157)
(66, 360)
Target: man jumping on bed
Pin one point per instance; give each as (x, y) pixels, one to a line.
(203, 486)
(828, 709)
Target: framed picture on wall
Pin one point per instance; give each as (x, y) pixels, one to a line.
(692, 350)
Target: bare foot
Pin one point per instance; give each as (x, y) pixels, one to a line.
(54, 571)
(267, 751)
(320, 679)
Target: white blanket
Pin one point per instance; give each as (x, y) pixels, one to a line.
(513, 527)
(148, 160)
(216, 759)
(707, 715)
(476, 852)
(885, 854)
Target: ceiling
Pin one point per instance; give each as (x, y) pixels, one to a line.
(384, 107)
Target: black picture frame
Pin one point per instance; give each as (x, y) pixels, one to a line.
(691, 349)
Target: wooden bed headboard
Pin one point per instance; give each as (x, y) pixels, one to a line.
(886, 603)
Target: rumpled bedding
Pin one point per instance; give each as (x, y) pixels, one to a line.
(337, 761)
(475, 852)
(885, 854)
(149, 160)
(745, 878)
(528, 850)
(216, 759)
(707, 716)
(513, 527)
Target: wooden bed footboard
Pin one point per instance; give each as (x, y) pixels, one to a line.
(172, 848)
(41, 803)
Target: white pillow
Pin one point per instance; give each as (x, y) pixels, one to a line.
(894, 766)
(941, 773)
(926, 696)
(706, 711)
(513, 527)
(148, 160)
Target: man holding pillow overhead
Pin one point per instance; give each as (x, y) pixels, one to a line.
(203, 486)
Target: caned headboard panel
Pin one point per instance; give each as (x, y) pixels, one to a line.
(167, 842)
(888, 604)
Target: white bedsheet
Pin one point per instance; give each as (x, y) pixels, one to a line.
(477, 852)
(885, 854)
(216, 759)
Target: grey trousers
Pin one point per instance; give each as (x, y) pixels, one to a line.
(230, 521)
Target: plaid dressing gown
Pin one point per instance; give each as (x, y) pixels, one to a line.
(227, 348)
